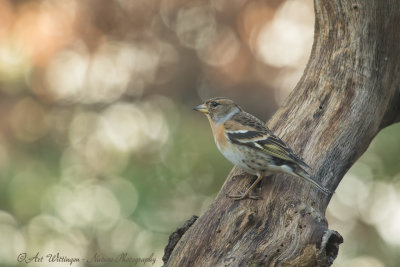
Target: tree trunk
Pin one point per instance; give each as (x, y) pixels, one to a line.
(349, 91)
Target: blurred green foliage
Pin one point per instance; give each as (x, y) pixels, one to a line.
(100, 152)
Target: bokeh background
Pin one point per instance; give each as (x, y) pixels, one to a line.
(100, 151)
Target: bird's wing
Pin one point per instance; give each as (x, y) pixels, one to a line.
(260, 138)
(246, 121)
(275, 146)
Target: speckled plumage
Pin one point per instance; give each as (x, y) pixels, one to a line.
(245, 141)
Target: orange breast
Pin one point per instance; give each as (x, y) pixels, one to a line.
(219, 135)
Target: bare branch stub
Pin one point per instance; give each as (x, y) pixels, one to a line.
(176, 236)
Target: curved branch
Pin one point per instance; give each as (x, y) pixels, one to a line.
(349, 91)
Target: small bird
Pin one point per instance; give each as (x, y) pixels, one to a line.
(246, 142)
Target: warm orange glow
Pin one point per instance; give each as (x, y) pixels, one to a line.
(7, 19)
(42, 29)
(100, 150)
(253, 17)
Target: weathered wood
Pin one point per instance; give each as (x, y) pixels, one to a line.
(349, 91)
(176, 236)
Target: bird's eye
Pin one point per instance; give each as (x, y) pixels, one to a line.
(214, 104)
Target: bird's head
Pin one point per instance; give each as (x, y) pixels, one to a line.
(218, 109)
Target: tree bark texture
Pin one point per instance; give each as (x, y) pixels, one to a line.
(349, 91)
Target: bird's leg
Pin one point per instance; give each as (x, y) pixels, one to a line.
(247, 193)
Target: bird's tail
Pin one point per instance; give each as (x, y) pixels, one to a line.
(300, 172)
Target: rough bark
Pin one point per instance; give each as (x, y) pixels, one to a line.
(349, 91)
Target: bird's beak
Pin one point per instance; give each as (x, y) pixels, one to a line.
(201, 108)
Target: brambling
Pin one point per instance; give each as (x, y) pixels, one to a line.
(246, 142)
